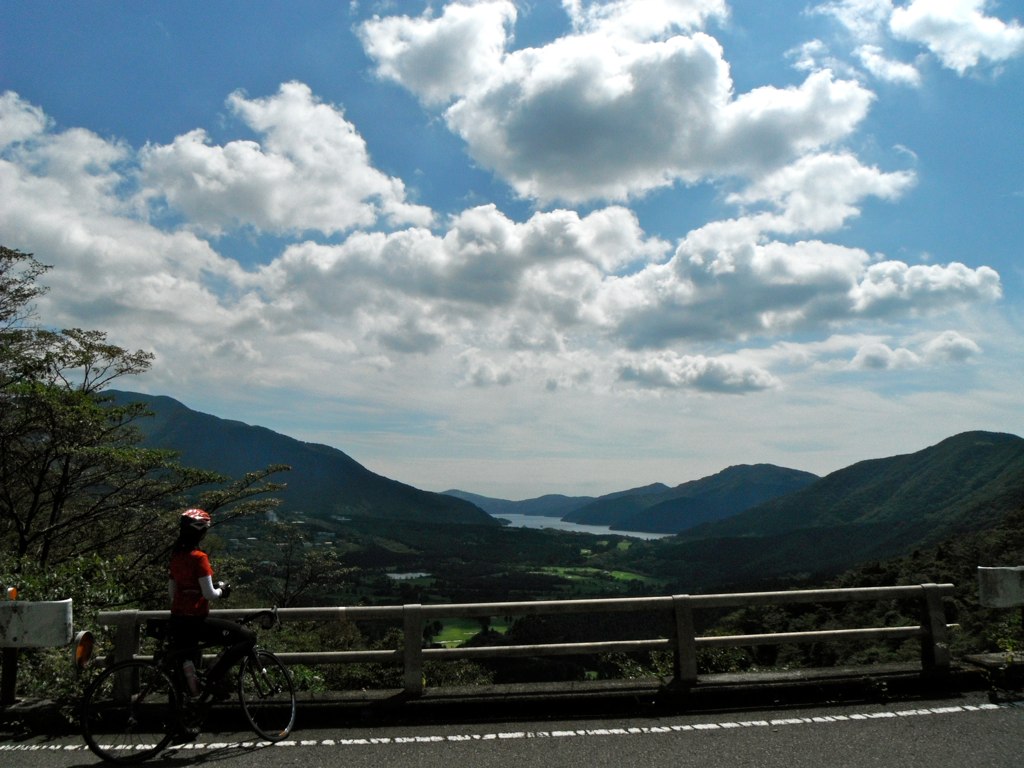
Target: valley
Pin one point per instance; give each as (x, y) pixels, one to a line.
(930, 516)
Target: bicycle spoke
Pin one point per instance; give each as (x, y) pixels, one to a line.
(128, 713)
(267, 695)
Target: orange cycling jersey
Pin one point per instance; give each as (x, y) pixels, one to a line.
(186, 569)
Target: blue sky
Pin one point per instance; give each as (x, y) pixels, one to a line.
(520, 247)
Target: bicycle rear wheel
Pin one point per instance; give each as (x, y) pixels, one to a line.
(129, 713)
(267, 695)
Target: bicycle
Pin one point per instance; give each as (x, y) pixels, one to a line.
(136, 708)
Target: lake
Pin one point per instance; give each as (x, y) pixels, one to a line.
(539, 521)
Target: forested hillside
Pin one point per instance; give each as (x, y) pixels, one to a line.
(672, 510)
(873, 510)
(551, 505)
(323, 482)
(963, 483)
(657, 508)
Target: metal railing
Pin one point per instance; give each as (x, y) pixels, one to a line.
(932, 631)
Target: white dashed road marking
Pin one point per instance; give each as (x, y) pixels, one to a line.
(576, 733)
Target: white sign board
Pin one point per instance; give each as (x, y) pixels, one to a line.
(1001, 587)
(31, 624)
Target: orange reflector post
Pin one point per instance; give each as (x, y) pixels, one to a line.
(82, 649)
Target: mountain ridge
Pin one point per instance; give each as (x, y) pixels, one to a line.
(658, 508)
(938, 479)
(322, 482)
(718, 496)
(549, 505)
(870, 511)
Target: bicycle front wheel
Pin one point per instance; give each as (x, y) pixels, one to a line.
(129, 713)
(267, 695)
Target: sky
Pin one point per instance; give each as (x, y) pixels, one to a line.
(520, 248)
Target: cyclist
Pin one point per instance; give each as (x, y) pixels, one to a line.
(191, 589)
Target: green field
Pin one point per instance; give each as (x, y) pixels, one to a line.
(589, 575)
(458, 631)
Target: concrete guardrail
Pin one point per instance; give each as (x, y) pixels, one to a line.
(932, 631)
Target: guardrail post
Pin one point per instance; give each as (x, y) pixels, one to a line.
(126, 645)
(935, 655)
(412, 625)
(126, 635)
(685, 642)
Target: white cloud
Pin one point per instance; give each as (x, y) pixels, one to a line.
(813, 55)
(642, 19)
(73, 167)
(440, 57)
(579, 121)
(881, 357)
(606, 113)
(672, 371)
(725, 284)
(64, 191)
(559, 300)
(889, 70)
(19, 120)
(958, 32)
(146, 287)
(479, 370)
(714, 291)
(486, 276)
(311, 173)
(842, 354)
(894, 286)
(865, 19)
(950, 347)
(589, 117)
(819, 193)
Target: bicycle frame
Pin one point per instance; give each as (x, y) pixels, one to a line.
(118, 710)
(172, 659)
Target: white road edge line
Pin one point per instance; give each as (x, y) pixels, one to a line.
(513, 735)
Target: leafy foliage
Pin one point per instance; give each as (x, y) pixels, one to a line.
(85, 512)
(291, 573)
(74, 482)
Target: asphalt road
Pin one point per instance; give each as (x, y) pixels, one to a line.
(951, 731)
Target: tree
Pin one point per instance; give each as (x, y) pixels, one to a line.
(73, 479)
(18, 289)
(298, 570)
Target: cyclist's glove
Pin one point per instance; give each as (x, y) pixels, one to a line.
(225, 589)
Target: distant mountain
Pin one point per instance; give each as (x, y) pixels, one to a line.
(671, 510)
(323, 481)
(657, 508)
(552, 505)
(960, 484)
(872, 510)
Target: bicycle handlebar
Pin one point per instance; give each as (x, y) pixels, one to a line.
(267, 618)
